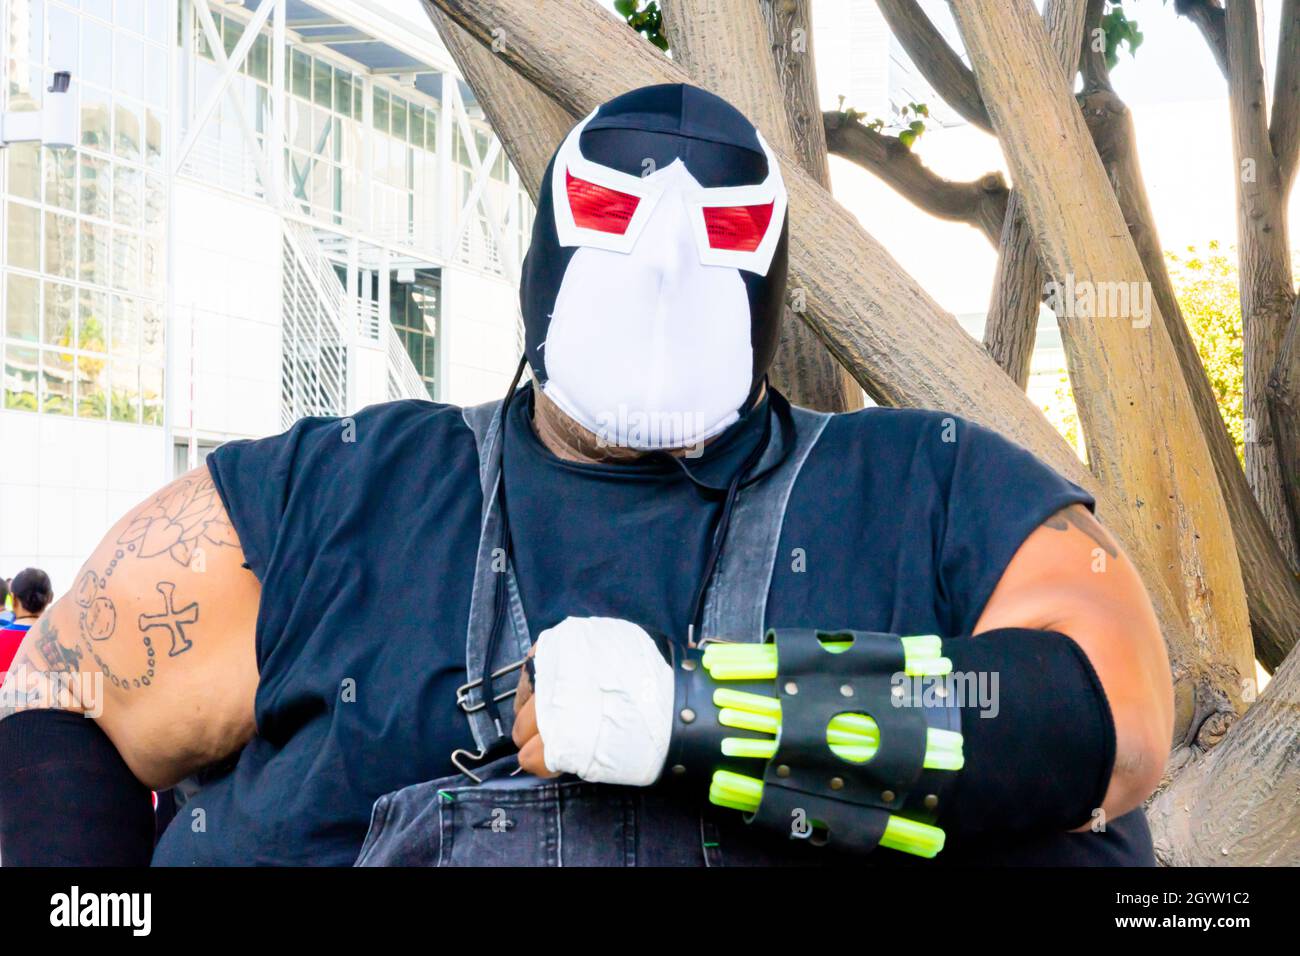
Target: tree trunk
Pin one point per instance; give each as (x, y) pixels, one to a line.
(1142, 433)
(530, 124)
(1284, 401)
(1284, 137)
(1284, 127)
(790, 38)
(1264, 266)
(1237, 805)
(723, 45)
(1011, 327)
(875, 318)
(1272, 591)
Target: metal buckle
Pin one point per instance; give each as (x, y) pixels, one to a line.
(462, 692)
(476, 756)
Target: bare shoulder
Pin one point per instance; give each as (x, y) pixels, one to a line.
(1069, 566)
(156, 638)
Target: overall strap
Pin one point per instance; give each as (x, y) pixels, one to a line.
(737, 597)
(485, 421)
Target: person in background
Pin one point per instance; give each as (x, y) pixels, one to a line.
(6, 613)
(32, 593)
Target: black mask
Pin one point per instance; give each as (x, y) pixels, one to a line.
(652, 291)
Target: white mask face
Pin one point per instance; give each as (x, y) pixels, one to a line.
(651, 348)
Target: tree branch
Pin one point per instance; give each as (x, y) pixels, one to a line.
(1211, 20)
(981, 203)
(938, 62)
(1092, 62)
(1284, 128)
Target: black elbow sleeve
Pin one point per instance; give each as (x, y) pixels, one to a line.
(1038, 733)
(66, 796)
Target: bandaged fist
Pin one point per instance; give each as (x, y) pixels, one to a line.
(601, 705)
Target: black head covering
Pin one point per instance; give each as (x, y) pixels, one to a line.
(719, 147)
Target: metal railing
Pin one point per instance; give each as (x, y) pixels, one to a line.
(318, 318)
(403, 379)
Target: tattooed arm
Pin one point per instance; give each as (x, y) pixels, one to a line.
(1070, 576)
(155, 640)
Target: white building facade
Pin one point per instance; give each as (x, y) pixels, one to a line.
(275, 209)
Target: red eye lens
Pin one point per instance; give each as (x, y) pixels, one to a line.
(737, 228)
(598, 207)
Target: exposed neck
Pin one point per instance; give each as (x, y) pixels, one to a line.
(568, 440)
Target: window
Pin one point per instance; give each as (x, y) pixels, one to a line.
(20, 377)
(22, 308)
(413, 311)
(322, 84)
(23, 236)
(59, 328)
(181, 459)
(81, 256)
(300, 74)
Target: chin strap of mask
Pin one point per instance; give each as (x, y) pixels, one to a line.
(777, 406)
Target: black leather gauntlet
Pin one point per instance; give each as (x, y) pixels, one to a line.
(835, 737)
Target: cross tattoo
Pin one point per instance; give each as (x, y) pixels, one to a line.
(172, 619)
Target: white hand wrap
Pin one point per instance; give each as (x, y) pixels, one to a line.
(604, 701)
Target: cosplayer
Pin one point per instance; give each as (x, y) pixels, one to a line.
(641, 611)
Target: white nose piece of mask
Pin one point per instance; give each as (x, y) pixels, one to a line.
(651, 349)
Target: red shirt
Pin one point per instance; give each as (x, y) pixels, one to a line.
(10, 637)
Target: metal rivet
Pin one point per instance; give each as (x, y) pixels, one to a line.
(931, 801)
(941, 692)
(791, 688)
(687, 715)
(688, 665)
(837, 783)
(846, 690)
(888, 796)
(678, 769)
(897, 691)
(783, 771)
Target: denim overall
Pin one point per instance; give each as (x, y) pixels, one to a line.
(511, 819)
